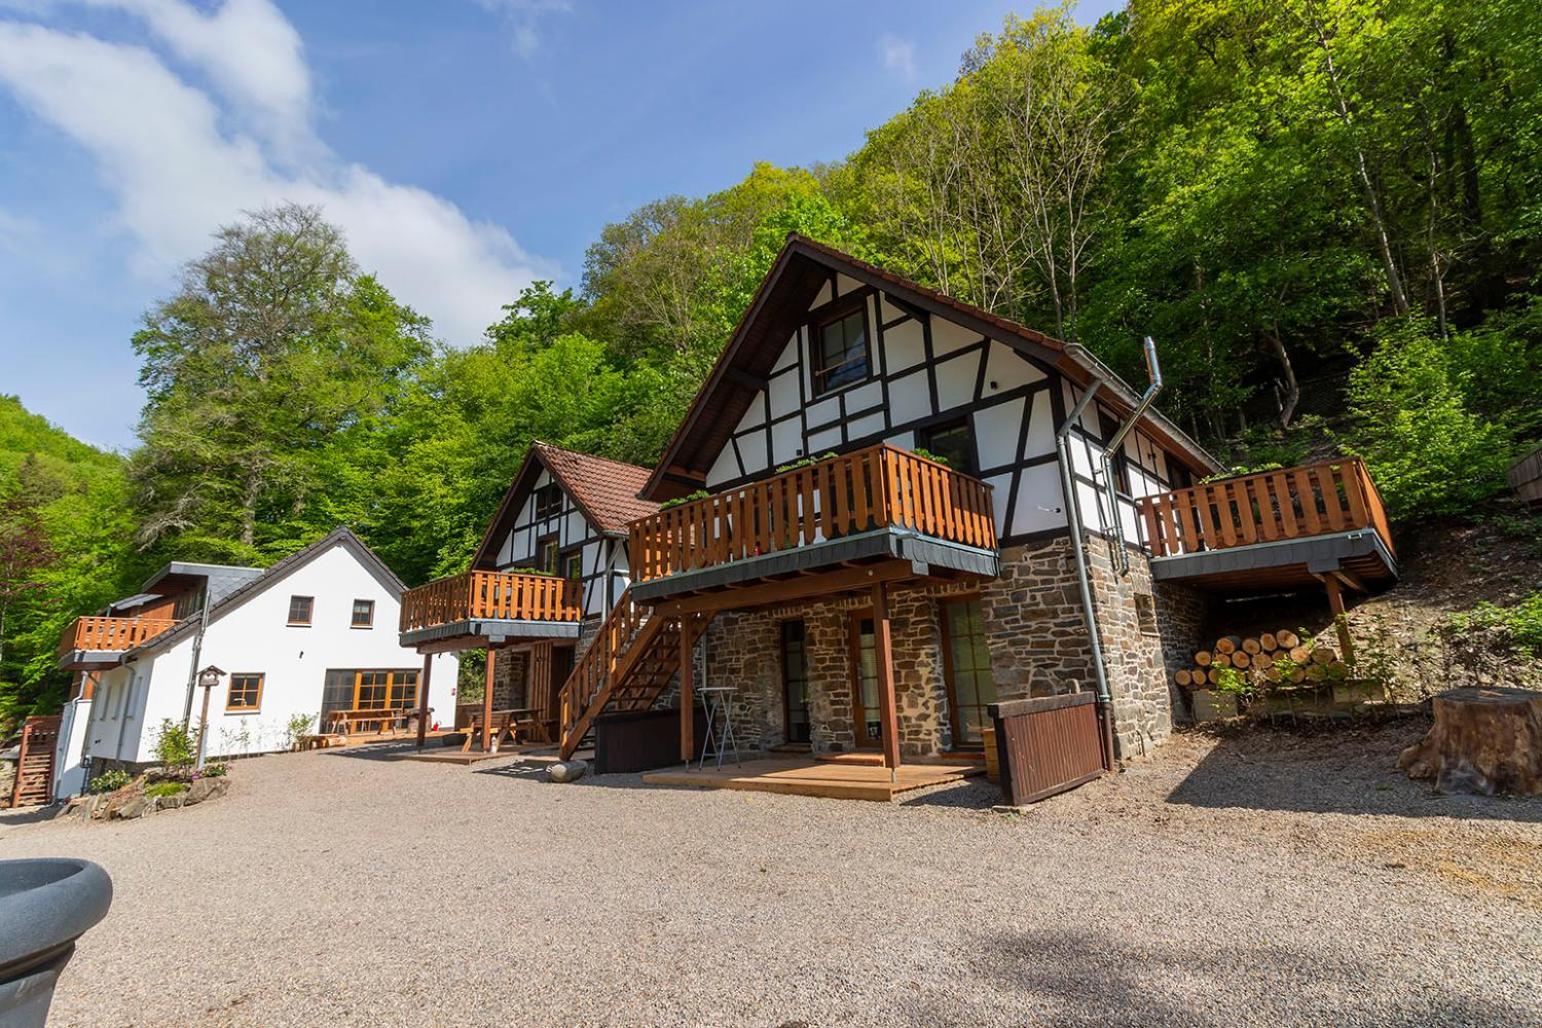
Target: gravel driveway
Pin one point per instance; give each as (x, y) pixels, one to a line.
(1252, 880)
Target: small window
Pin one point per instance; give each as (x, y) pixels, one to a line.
(573, 565)
(300, 609)
(840, 352)
(546, 555)
(245, 693)
(953, 441)
(363, 614)
(548, 502)
(1145, 613)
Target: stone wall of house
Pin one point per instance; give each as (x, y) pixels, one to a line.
(1182, 614)
(1038, 641)
(743, 649)
(511, 673)
(1038, 635)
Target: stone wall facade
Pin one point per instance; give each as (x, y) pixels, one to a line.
(1035, 628)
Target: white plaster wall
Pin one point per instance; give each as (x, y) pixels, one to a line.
(74, 722)
(254, 637)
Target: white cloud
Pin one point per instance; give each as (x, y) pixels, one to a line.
(899, 55)
(251, 52)
(163, 149)
(524, 17)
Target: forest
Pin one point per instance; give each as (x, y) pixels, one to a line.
(1327, 212)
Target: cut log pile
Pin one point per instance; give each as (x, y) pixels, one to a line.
(1268, 659)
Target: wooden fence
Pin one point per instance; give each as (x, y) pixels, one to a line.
(110, 634)
(839, 496)
(492, 595)
(1271, 506)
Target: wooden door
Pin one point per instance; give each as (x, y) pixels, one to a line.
(866, 715)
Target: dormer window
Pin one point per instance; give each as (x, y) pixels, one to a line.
(840, 348)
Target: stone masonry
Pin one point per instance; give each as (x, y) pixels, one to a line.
(1036, 632)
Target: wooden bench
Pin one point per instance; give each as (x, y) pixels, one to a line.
(347, 722)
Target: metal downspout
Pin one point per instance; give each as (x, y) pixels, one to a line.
(192, 671)
(1154, 373)
(1079, 555)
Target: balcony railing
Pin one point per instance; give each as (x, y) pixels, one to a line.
(878, 487)
(105, 634)
(490, 595)
(1271, 506)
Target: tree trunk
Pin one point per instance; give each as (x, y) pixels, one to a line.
(1484, 741)
(1363, 167)
(1287, 368)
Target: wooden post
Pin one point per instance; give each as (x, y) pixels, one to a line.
(487, 701)
(687, 692)
(884, 657)
(428, 667)
(1336, 604)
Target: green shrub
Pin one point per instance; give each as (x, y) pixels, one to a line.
(1519, 627)
(109, 781)
(680, 501)
(213, 771)
(1426, 449)
(174, 747)
(299, 724)
(163, 789)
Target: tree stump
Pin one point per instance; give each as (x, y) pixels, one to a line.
(1485, 741)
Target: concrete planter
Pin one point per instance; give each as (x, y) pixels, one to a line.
(45, 905)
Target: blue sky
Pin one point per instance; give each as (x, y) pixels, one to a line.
(465, 146)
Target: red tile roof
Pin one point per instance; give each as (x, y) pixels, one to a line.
(605, 489)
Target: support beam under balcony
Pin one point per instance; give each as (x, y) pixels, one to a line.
(881, 544)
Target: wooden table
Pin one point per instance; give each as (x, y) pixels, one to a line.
(503, 723)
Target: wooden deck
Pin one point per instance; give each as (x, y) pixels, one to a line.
(808, 777)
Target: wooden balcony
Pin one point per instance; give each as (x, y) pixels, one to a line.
(474, 608)
(99, 642)
(1273, 529)
(874, 505)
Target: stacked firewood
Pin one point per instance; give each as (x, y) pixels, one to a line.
(1275, 658)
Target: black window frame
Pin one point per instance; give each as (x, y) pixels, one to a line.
(926, 440)
(548, 502)
(541, 544)
(310, 611)
(836, 313)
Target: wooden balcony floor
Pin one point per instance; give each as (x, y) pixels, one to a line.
(806, 776)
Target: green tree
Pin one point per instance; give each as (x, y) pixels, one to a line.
(260, 372)
(1426, 450)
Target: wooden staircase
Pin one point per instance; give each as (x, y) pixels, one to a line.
(628, 666)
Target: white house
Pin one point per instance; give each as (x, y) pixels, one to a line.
(314, 633)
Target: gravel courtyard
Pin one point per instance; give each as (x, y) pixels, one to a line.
(1259, 879)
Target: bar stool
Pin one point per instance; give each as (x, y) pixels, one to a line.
(717, 700)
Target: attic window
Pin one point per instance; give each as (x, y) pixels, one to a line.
(840, 351)
(548, 502)
(300, 609)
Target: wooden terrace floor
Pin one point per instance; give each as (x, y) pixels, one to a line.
(805, 776)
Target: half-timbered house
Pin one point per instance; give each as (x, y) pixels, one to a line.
(550, 567)
(887, 510)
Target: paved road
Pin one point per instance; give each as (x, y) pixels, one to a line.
(1244, 882)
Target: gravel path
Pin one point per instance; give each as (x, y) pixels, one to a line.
(1252, 880)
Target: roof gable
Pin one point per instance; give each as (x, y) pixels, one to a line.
(604, 490)
(799, 272)
(275, 573)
